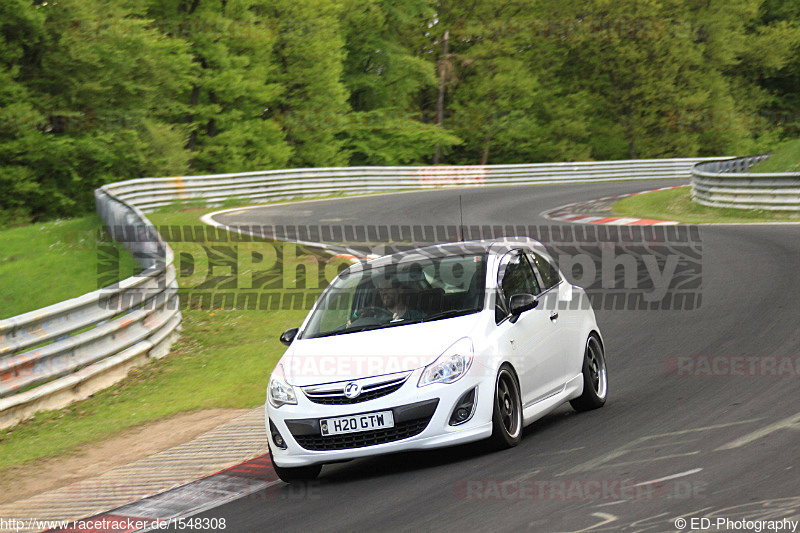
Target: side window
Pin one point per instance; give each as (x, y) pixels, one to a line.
(547, 271)
(515, 277)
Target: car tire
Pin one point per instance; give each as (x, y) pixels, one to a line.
(507, 412)
(595, 377)
(298, 474)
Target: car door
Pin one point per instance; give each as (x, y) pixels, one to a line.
(529, 338)
(552, 299)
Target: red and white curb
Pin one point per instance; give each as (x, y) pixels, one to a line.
(581, 212)
(174, 508)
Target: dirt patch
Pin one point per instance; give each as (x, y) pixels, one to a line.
(95, 459)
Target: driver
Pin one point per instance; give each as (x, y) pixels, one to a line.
(392, 299)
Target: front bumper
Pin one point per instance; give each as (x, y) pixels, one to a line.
(422, 421)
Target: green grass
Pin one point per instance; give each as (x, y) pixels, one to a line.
(43, 264)
(222, 360)
(677, 204)
(786, 158)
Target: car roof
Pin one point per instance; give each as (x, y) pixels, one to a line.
(499, 245)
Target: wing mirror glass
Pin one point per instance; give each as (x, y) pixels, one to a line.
(288, 336)
(522, 302)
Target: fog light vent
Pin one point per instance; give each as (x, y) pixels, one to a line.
(464, 409)
(277, 438)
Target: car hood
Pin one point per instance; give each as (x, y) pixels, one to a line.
(372, 353)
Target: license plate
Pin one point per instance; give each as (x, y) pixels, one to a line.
(356, 423)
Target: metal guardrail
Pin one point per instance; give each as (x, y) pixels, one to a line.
(727, 184)
(67, 351)
(53, 356)
(151, 193)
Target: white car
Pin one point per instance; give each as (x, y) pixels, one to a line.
(432, 347)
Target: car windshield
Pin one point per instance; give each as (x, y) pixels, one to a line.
(413, 289)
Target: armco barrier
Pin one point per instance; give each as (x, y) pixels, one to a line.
(152, 193)
(67, 351)
(727, 184)
(56, 355)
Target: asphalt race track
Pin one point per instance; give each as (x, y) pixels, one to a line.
(710, 446)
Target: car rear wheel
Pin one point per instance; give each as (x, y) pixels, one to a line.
(595, 377)
(507, 414)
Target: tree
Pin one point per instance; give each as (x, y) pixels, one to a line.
(225, 108)
(309, 52)
(21, 28)
(102, 95)
(94, 91)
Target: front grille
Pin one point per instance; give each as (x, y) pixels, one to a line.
(368, 392)
(410, 420)
(366, 438)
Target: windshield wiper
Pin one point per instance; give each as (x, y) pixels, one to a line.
(436, 316)
(449, 314)
(342, 331)
(364, 328)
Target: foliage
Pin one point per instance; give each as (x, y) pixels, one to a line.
(65, 253)
(94, 91)
(785, 158)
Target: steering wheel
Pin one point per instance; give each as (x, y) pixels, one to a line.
(374, 312)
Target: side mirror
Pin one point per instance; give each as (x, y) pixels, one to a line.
(288, 336)
(522, 302)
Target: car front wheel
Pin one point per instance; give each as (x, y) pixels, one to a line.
(507, 414)
(298, 474)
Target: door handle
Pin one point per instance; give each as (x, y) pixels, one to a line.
(553, 315)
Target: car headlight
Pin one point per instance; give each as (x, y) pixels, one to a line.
(450, 366)
(278, 391)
